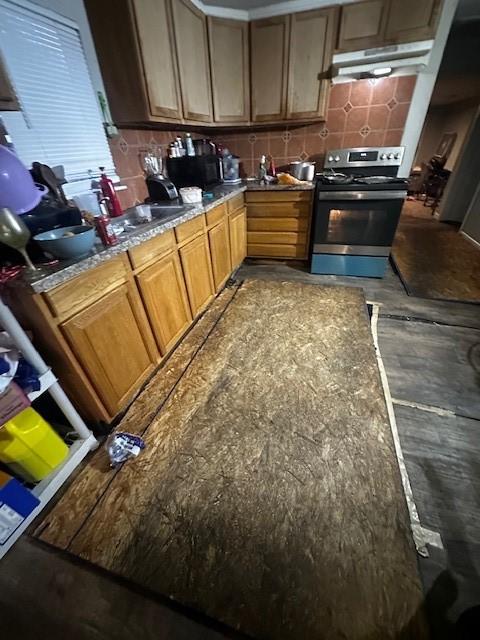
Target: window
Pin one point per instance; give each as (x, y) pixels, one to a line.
(60, 122)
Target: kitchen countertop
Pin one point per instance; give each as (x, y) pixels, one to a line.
(55, 275)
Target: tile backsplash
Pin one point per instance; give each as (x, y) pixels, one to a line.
(360, 114)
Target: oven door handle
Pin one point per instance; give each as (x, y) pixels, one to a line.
(362, 195)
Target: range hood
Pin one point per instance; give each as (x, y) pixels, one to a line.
(392, 60)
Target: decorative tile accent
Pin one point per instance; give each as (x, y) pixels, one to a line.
(391, 104)
(349, 122)
(123, 146)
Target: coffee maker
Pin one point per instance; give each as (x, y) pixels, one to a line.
(159, 187)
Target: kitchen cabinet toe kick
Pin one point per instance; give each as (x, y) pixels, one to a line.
(106, 330)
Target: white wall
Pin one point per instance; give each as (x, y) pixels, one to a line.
(451, 118)
(464, 181)
(424, 88)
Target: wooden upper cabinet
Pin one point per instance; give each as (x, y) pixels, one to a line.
(376, 23)
(112, 341)
(155, 34)
(269, 62)
(135, 48)
(8, 99)
(410, 20)
(229, 58)
(312, 36)
(190, 27)
(362, 25)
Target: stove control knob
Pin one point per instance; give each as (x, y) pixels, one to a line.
(383, 156)
(390, 156)
(397, 156)
(337, 158)
(330, 158)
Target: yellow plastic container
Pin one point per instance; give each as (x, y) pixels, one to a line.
(30, 447)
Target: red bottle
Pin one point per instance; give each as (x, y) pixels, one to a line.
(104, 226)
(271, 168)
(108, 191)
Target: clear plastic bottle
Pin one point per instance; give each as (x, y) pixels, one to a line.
(262, 169)
(189, 145)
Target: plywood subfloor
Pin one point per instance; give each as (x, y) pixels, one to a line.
(434, 259)
(268, 496)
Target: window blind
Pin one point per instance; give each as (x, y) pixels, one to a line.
(60, 122)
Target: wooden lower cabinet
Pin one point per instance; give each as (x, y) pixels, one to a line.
(112, 341)
(163, 291)
(238, 237)
(197, 270)
(218, 238)
(105, 330)
(278, 224)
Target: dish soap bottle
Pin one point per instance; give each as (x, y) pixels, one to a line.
(108, 191)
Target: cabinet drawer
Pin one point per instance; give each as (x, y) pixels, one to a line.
(214, 216)
(278, 196)
(154, 248)
(277, 224)
(276, 237)
(287, 251)
(279, 209)
(236, 202)
(86, 288)
(189, 229)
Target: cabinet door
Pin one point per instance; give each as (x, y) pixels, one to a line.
(113, 343)
(410, 20)
(155, 34)
(362, 25)
(228, 40)
(310, 56)
(238, 237)
(8, 99)
(165, 297)
(269, 54)
(193, 61)
(218, 238)
(197, 270)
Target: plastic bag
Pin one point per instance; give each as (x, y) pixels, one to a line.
(121, 446)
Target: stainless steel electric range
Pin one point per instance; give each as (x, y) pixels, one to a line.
(358, 200)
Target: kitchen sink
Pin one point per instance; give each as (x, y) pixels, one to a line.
(159, 211)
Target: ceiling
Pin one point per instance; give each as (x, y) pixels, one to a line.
(467, 10)
(459, 74)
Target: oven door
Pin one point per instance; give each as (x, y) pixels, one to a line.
(356, 222)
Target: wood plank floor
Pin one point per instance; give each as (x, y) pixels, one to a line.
(450, 577)
(434, 259)
(268, 495)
